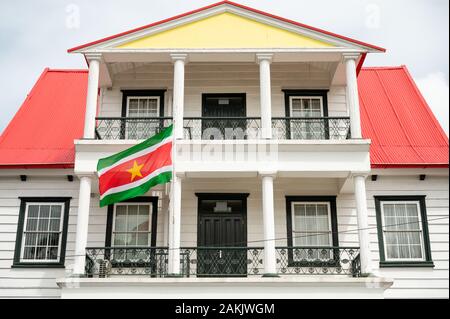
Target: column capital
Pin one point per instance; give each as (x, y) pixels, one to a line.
(264, 57)
(181, 175)
(350, 56)
(93, 56)
(272, 174)
(179, 57)
(364, 175)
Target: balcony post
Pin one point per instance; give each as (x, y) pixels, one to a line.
(179, 61)
(84, 203)
(352, 94)
(270, 262)
(175, 227)
(92, 95)
(264, 61)
(362, 217)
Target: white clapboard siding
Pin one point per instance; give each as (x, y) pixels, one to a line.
(409, 282)
(220, 78)
(418, 282)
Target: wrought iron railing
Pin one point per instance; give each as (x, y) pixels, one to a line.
(130, 128)
(221, 128)
(318, 128)
(222, 261)
(318, 261)
(225, 128)
(104, 262)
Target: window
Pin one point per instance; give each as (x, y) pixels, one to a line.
(307, 108)
(42, 232)
(403, 231)
(145, 104)
(132, 223)
(311, 222)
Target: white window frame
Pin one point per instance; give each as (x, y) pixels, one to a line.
(422, 241)
(158, 109)
(143, 98)
(330, 226)
(150, 221)
(291, 98)
(24, 231)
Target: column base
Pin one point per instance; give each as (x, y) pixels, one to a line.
(271, 276)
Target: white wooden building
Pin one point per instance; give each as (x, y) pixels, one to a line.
(299, 173)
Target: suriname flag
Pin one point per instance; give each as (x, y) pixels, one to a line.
(133, 172)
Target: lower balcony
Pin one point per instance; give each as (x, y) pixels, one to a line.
(210, 262)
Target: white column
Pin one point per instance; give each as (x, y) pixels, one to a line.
(264, 61)
(92, 95)
(363, 224)
(179, 61)
(175, 227)
(352, 94)
(270, 264)
(84, 202)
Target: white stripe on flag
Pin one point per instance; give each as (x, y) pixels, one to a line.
(136, 155)
(126, 187)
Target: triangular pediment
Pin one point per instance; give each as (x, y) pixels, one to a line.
(225, 30)
(225, 25)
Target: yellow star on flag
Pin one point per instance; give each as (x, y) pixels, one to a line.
(135, 170)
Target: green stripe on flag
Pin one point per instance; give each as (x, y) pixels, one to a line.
(136, 191)
(108, 161)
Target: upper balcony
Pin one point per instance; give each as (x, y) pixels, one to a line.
(225, 128)
(302, 115)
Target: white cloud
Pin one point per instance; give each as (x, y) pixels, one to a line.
(435, 89)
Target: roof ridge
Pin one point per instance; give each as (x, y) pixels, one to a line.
(374, 68)
(67, 70)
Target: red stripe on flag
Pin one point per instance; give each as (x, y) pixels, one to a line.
(119, 175)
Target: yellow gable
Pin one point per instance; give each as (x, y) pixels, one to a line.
(225, 31)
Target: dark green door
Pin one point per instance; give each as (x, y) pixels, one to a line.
(222, 238)
(225, 111)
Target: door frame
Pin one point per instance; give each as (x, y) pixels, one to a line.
(224, 95)
(222, 196)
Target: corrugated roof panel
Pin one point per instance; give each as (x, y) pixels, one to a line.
(400, 123)
(43, 130)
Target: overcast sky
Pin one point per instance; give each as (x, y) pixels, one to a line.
(37, 34)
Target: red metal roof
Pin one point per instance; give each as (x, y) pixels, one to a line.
(302, 25)
(396, 117)
(42, 133)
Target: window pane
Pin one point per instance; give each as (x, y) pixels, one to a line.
(144, 218)
(119, 239)
(44, 211)
(121, 218)
(32, 224)
(43, 224)
(28, 253)
(142, 239)
(56, 212)
(132, 218)
(52, 253)
(41, 253)
(33, 211)
(54, 224)
(30, 239)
